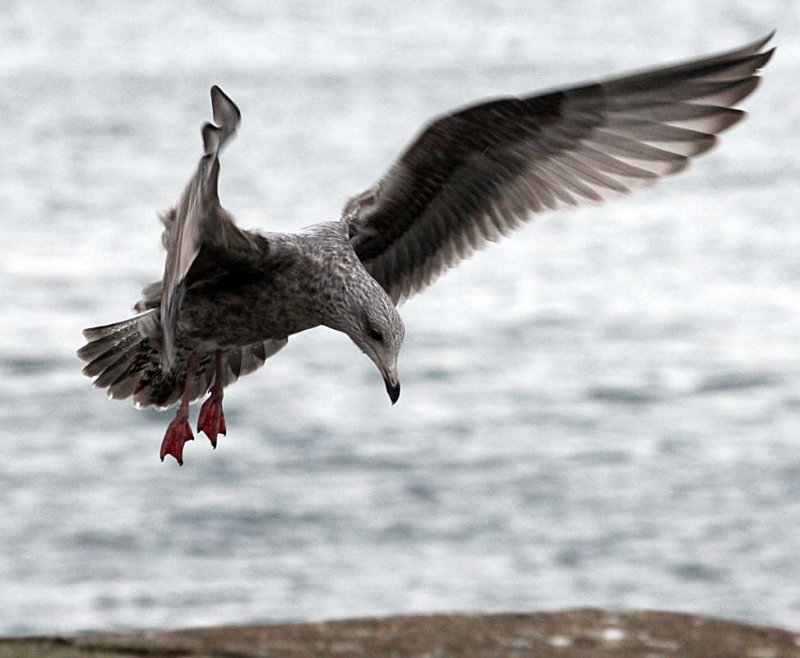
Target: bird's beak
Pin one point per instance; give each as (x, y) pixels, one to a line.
(392, 381)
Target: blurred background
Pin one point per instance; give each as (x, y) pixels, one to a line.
(601, 411)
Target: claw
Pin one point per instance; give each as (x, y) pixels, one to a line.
(178, 433)
(212, 419)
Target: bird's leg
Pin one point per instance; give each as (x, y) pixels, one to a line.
(212, 420)
(179, 431)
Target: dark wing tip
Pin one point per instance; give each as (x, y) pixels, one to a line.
(211, 138)
(765, 57)
(758, 59)
(226, 113)
(758, 45)
(226, 120)
(751, 48)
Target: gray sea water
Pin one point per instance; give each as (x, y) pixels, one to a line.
(602, 411)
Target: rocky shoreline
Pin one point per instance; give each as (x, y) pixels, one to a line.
(581, 633)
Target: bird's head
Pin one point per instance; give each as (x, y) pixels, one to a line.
(379, 335)
(374, 325)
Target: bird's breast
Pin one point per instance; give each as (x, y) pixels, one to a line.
(249, 310)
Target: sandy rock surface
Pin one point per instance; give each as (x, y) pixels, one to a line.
(569, 634)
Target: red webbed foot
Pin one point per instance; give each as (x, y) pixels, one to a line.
(178, 433)
(212, 419)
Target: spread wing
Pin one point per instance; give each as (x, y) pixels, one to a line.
(198, 219)
(475, 175)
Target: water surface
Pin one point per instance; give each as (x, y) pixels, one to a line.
(603, 411)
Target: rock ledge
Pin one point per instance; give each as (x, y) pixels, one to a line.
(582, 633)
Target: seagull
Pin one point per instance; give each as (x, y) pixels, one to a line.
(230, 298)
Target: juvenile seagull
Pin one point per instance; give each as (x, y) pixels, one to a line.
(230, 298)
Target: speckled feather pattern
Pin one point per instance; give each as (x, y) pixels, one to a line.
(248, 308)
(469, 177)
(240, 292)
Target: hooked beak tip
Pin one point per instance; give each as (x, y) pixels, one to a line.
(393, 389)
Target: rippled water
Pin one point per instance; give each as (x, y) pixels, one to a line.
(602, 411)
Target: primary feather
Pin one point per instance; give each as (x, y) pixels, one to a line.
(474, 175)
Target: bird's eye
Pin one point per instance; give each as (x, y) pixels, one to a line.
(375, 334)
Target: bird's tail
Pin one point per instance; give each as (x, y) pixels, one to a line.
(125, 358)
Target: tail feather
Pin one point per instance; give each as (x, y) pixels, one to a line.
(118, 355)
(125, 358)
(114, 371)
(108, 330)
(106, 352)
(123, 386)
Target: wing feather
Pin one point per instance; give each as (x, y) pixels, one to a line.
(197, 219)
(478, 173)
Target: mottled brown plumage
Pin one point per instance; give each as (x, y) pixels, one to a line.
(230, 298)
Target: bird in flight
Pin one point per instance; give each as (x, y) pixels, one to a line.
(230, 298)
